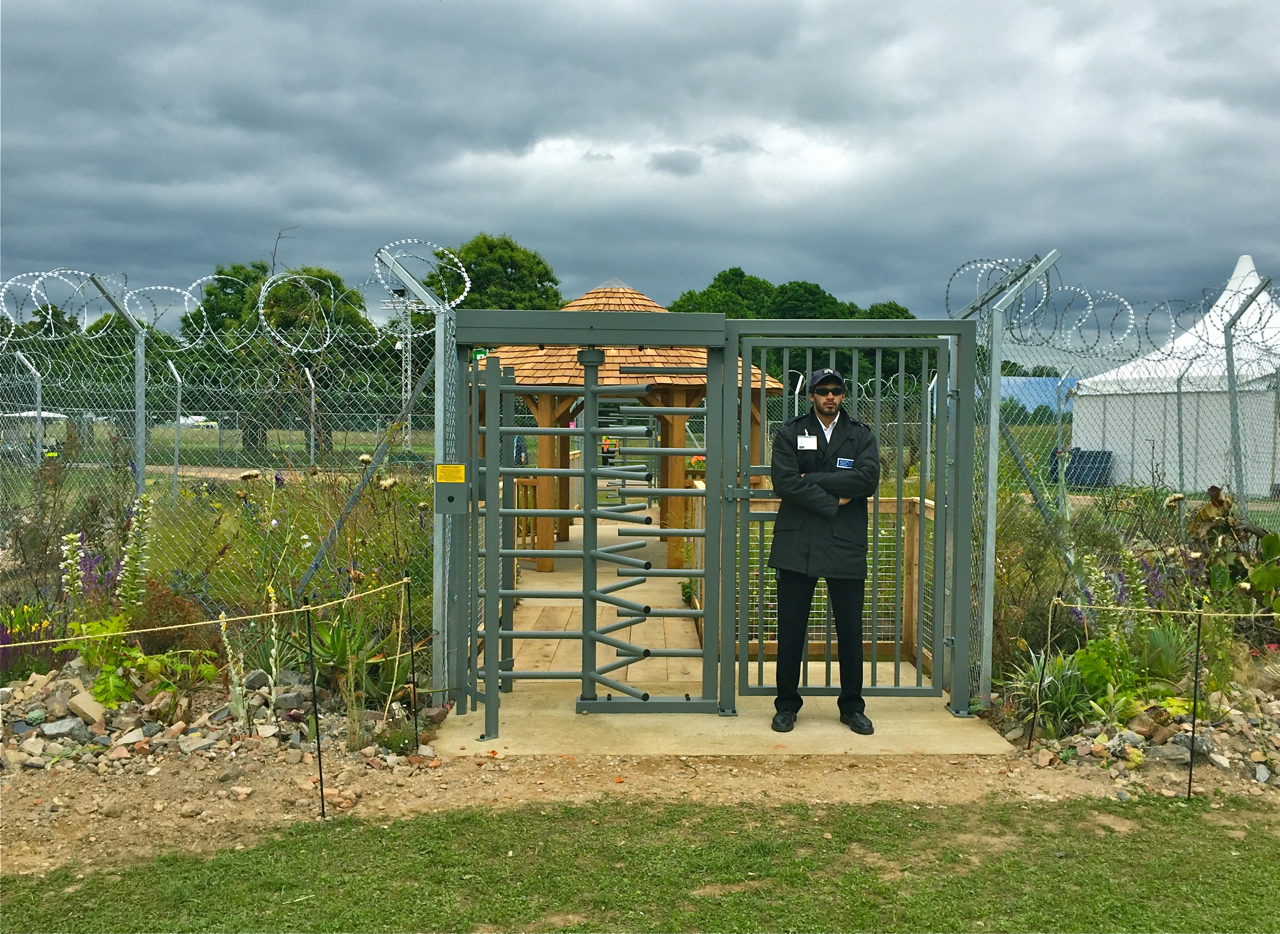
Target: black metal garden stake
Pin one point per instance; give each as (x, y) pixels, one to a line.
(315, 701)
(413, 660)
(1195, 703)
(1044, 664)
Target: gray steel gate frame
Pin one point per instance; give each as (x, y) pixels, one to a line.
(481, 590)
(954, 345)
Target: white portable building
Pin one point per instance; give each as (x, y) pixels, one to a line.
(1132, 410)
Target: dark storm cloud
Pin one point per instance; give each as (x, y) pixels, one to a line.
(870, 147)
(679, 162)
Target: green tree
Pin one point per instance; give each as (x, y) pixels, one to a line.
(731, 293)
(230, 301)
(503, 275)
(50, 319)
(806, 300)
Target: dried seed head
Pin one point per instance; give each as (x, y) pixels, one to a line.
(313, 470)
(366, 458)
(1172, 501)
(388, 483)
(249, 475)
(424, 506)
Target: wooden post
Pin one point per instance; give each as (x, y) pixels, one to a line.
(562, 484)
(910, 585)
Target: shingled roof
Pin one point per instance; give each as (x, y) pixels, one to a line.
(614, 295)
(558, 366)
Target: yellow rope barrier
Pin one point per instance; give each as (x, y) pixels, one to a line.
(209, 622)
(1143, 609)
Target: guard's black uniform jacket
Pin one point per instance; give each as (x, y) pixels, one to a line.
(814, 535)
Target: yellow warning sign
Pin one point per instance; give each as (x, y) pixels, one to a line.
(451, 473)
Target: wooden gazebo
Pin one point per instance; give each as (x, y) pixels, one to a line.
(558, 367)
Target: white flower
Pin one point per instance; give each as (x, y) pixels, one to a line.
(1245, 586)
(1195, 555)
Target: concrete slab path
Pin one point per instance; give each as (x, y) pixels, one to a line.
(538, 718)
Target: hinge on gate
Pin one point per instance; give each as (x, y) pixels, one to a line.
(953, 394)
(731, 492)
(949, 642)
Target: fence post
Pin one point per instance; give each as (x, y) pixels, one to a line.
(139, 387)
(38, 440)
(311, 434)
(995, 335)
(177, 428)
(1237, 452)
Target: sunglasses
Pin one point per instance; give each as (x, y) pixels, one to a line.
(829, 391)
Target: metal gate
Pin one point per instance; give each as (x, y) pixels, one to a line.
(904, 380)
(917, 623)
(615, 496)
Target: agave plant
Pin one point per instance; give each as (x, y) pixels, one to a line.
(1163, 655)
(1055, 686)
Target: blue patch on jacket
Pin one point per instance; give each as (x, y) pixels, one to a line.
(845, 462)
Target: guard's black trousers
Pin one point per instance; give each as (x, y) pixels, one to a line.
(795, 601)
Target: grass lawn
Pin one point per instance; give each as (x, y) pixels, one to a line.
(1081, 865)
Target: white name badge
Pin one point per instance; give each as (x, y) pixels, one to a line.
(807, 442)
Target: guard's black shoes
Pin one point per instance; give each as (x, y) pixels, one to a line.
(784, 721)
(857, 722)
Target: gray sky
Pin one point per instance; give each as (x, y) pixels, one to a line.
(871, 147)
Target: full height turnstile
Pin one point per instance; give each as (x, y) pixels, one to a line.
(916, 393)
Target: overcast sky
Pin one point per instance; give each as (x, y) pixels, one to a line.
(871, 147)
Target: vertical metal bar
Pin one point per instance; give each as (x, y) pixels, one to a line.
(875, 532)
(590, 361)
(898, 542)
(452, 623)
(853, 384)
(714, 632)
(727, 578)
(962, 610)
(441, 550)
(1233, 401)
(947, 463)
(177, 427)
(760, 602)
(941, 518)
(991, 478)
(766, 456)
(315, 700)
(492, 544)
(475, 555)
(827, 619)
(743, 416)
(926, 434)
(786, 379)
(507, 623)
(920, 518)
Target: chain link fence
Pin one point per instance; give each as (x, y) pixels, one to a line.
(247, 412)
(1120, 430)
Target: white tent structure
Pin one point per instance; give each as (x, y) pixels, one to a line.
(1133, 410)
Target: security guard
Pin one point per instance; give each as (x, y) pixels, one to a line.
(825, 465)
